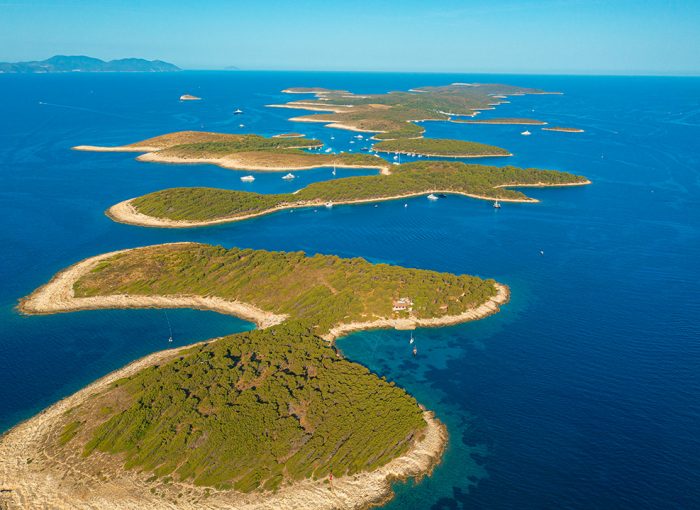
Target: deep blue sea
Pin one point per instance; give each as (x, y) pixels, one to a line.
(583, 392)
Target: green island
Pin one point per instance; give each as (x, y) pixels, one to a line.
(245, 152)
(255, 412)
(504, 120)
(394, 115)
(440, 147)
(201, 206)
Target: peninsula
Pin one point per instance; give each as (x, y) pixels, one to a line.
(80, 63)
(193, 207)
(394, 115)
(240, 152)
(260, 419)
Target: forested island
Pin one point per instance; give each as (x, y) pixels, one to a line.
(188, 207)
(440, 147)
(262, 416)
(240, 152)
(394, 115)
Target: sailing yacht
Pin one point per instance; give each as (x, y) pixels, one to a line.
(289, 177)
(238, 111)
(496, 205)
(526, 133)
(247, 178)
(432, 197)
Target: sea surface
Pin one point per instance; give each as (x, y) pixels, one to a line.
(583, 392)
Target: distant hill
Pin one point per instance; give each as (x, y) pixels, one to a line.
(67, 64)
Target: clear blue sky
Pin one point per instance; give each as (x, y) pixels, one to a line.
(520, 36)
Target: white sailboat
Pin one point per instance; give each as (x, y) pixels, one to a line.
(526, 133)
(329, 205)
(496, 205)
(238, 111)
(289, 177)
(247, 178)
(333, 169)
(432, 197)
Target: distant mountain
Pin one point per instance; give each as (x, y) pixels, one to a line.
(67, 64)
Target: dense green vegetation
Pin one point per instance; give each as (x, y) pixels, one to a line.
(392, 115)
(255, 410)
(263, 408)
(200, 204)
(264, 158)
(223, 142)
(244, 143)
(440, 147)
(323, 289)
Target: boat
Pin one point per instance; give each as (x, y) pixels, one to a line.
(432, 197)
(333, 170)
(328, 150)
(289, 177)
(332, 137)
(396, 157)
(526, 133)
(170, 339)
(405, 205)
(247, 178)
(238, 111)
(415, 351)
(496, 205)
(329, 205)
(359, 137)
(411, 340)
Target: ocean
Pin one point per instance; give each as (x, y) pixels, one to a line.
(583, 392)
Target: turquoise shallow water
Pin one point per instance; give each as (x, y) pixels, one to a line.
(582, 393)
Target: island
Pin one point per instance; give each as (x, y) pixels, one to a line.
(240, 152)
(195, 207)
(563, 129)
(189, 97)
(514, 121)
(440, 147)
(80, 63)
(394, 115)
(272, 418)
